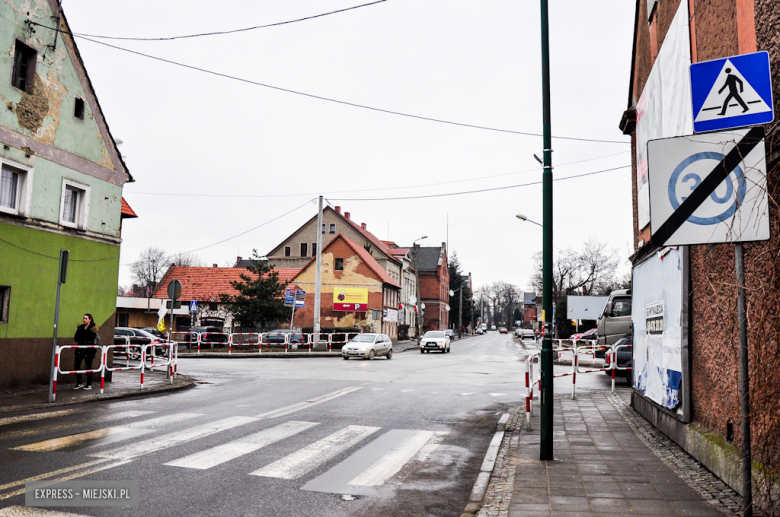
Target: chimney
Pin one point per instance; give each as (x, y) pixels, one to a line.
(346, 214)
(338, 209)
(363, 225)
(238, 259)
(214, 265)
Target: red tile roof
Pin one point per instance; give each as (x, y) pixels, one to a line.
(365, 256)
(381, 246)
(127, 212)
(206, 284)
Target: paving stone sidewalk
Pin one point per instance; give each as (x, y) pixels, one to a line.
(608, 461)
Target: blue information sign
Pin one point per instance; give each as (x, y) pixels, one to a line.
(731, 92)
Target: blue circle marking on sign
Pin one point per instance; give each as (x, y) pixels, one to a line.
(692, 176)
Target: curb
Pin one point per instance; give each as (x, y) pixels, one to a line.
(225, 355)
(188, 382)
(486, 470)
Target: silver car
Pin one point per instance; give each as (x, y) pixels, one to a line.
(435, 340)
(368, 346)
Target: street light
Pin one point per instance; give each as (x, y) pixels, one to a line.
(524, 218)
(417, 281)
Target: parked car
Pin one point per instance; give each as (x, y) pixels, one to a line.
(155, 332)
(368, 346)
(278, 337)
(451, 334)
(492, 327)
(527, 334)
(215, 336)
(479, 331)
(503, 330)
(137, 337)
(625, 358)
(435, 340)
(592, 334)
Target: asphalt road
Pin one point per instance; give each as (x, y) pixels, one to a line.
(288, 437)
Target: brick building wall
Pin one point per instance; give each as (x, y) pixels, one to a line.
(434, 293)
(720, 28)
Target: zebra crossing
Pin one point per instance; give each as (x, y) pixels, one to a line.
(378, 454)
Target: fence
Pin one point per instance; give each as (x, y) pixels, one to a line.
(131, 351)
(531, 384)
(290, 342)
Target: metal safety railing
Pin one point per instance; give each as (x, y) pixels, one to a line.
(293, 341)
(531, 384)
(128, 349)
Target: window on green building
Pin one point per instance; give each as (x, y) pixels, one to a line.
(5, 296)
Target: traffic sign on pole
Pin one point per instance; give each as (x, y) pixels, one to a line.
(731, 92)
(709, 188)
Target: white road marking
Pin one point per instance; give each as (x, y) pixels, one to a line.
(307, 404)
(466, 394)
(165, 441)
(406, 391)
(53, 473)
(75, 439)
(392, 462)
(496, 394)
(59, 427)
(41, 416)
(223, 453)
(162, 421)
(430, 446)
(299, 463)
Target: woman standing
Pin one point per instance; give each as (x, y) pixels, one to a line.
(85, 335)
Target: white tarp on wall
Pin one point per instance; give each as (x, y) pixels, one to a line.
(585, 307)
(656, 313)
(664, 108)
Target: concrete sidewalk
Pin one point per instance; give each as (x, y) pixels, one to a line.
(125, 384)
(608, 462)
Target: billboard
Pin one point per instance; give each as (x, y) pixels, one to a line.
(353, 299)
(660, 318)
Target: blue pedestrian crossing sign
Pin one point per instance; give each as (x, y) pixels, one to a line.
(194, 306)
(731, 92)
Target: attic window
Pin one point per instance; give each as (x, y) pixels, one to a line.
(332, 228)
(78, 109)
(24, 66)
(286, 251)
(339, 264)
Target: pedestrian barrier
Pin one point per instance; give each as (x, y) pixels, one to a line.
(244, 339)
(529, 386)
(291, 342)
(613, 362)
(171, 361)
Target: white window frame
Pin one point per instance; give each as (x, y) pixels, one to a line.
(82, 209)
(24, 189)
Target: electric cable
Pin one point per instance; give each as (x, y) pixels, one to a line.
(219, 33)
(477, 178)
(506, 187)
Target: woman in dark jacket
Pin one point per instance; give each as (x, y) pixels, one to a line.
(85, 335)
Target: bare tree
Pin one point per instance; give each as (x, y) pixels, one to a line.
(188, 260)
(148, 270)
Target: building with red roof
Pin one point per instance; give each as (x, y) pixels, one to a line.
(356, 290)
(206, 285)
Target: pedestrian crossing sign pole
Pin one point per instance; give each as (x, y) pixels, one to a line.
(731, 92)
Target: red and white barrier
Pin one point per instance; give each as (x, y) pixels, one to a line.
(58, 365)
(529, 387)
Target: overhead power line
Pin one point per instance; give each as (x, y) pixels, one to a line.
(342, 102)
(420, 185)
(234, 31)
(465, 192)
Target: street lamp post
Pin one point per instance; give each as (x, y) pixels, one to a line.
(546, 360)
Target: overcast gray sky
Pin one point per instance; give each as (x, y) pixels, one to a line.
(214, 157)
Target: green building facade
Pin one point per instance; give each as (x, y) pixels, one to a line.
(61, 179)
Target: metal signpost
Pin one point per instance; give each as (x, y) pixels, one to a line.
(62, 275)
(711, 188)
(174, 293)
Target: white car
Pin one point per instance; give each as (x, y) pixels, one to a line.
(435, 340)
(368, 346)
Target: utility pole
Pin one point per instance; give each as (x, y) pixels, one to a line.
(318, 273)
(546, 360)
(460, 310)
(417, 282)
